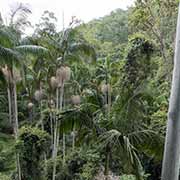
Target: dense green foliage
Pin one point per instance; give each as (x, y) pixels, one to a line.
(92, 99)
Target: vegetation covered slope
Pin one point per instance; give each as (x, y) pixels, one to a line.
(89, 102)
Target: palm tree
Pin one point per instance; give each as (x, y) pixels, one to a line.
(128, 147)
(12, 54)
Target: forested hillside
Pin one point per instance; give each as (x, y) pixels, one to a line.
(89, 102)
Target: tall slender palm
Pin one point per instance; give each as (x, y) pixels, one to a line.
(12, 54)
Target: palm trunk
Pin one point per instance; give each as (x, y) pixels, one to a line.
(42, 127)
(109, 101)
(106, 172)
(14, 109)
(107, 160)
(9, 104)
(41, 117)
(15, 122)
(73, 139)
(16, 127)
(64, 147)
(59, 104)
(54, 153)
(31, 114)
(171, 161)
(51, 124)
(64, 137)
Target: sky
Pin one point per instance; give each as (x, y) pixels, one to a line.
(85, 10)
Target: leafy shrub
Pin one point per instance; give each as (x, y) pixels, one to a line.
(32, 145)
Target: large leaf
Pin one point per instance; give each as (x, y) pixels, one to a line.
(8, 37)
(32, 49)
(80, 48)
(8, 55)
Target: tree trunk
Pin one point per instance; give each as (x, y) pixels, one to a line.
(13, 106)
(73, 138)
(106, 171)
(64, 147)
(171, 161)
(30, 111)
(51, 124)
(16, 127)
(15, 122)
(64, 137)
(109, 101)
(54, 153)
(9, 105)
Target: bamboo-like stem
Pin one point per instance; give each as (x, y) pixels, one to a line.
(15, 110)
(107, 163)
(41, 117)
(9, 105)
(109, 100)
(64, 147)
(106, 104)
(64, 137)
(30, 114)
(16, 126)
(73, 139)
(56, 137)
(54, 151)
(18, 166)
(61, 96)
(51, 124)
(42, 127)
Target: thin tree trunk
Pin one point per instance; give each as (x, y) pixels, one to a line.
(15, 120)
(109, 101)
(59, 104)
(14, 109)
(73, 138)
(9, 105)
(64, 137)
(30, 114)
(54, 154)
(64, 147)
(171, 161)
(106, 172)
(54, 151)
(41, 117)
(51, 124)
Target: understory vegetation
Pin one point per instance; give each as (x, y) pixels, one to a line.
(88, 102)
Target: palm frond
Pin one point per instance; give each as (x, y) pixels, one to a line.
(148, 141)
(78, 116)
(32, 49)
(8, 37)
(87, 49)
(116, 140)
(8, 55)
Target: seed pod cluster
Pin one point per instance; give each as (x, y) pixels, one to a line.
(52, 103)
(53, 82)
(30, 105)
(105, 88)
(6, 73)
(76, 99)
(38, 95)
(63, 74)
(8, 76)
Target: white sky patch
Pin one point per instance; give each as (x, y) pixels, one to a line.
(85, 10)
